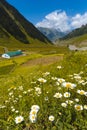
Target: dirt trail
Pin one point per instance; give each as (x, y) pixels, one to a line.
(44, 60)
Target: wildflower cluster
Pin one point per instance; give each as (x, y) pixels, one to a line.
(33, 113)
(57, 98)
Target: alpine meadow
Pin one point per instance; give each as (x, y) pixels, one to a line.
(43, 82)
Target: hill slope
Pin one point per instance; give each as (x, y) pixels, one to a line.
(77, 37)
(77, 32)
(14, 25)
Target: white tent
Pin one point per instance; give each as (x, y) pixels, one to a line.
(6, 56)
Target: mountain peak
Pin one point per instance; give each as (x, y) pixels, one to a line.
(51, 33)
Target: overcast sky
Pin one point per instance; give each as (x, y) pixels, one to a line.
(62, 14)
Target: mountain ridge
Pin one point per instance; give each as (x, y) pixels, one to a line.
(51, 33)
(76, 32)
(12, 23)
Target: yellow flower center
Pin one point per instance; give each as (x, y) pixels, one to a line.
(67, 94)
(68, 85)
(19, 120)
(33, 117)
(82, 92)
(78, 107)
(34, 112)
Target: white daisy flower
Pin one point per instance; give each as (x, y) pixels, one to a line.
(59, 67)
(46, 73)
(16, 111)
(51, 118)
(33, 112)
(66, 94)
(13, 110)
(64, 105)
(78, 107)
(33, 118)
(11, 93)
(85, 93)
(76, 99)
(85, 107)
(81, 92)
(19, 119)
(68, 85)
(20, 88)
(38, 90)
(60, 80)
(35, 107)
(58, 95)
(42, 80)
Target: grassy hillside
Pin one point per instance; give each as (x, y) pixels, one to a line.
(58, 107)
(80, 41)
(76, 37)
(76, 32)
(13, 43)
(14, 27)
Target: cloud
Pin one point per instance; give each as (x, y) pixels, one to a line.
(60, 20)
(56, 19)
(78, 20)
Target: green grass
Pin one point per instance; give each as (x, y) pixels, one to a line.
(4, 70)
(18, 92)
